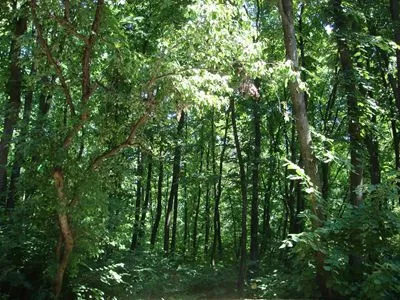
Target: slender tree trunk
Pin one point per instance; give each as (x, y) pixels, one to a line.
(207, 205)
(12, 107)
(139, 188)
(172, 208)
(304, 133)
(373, 150)
(147, 197)
(198, 199)
(217, 220)
(159, 201)
(254, 246)
(243, 192)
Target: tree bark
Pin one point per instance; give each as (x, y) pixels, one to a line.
(13, 104)
(304, 133)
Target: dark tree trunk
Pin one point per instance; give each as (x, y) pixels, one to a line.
(172, 208)
(19, 157)
(354, 128)
(243, 192)
(255, 179)
(198, 198)
(147, 198)
(373, 150)
(139, 188)
(304, 134)
(217, 220)
(159, 201)
(207, 205)
(12, 106)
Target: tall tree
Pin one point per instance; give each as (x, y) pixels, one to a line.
(304, 133)
(14, 90)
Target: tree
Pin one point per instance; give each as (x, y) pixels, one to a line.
(14, 91)
(304, 133)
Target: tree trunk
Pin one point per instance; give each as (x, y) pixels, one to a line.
(66, 239)
(12, 106)
(354, 129)
(254, 246)
(198, 198)
(139, 188)
(207, 204)
(243, 192)
(172, 208)
(304, 133)
(147, 198)
(217, 220)
(19, 157)
(159, 201)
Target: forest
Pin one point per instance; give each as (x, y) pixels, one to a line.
(199, 149)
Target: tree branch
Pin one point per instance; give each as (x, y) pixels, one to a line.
(51, 59)
(69, 28)
(86, 85)
(129, 141)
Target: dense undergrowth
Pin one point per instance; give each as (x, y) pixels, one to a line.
(286, 270)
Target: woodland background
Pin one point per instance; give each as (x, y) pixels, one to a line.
(191, 149)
